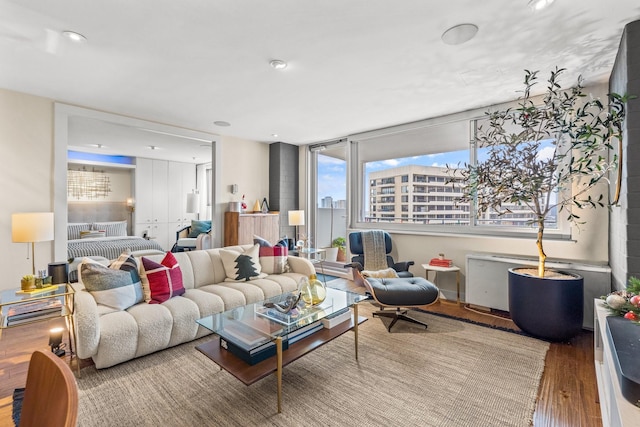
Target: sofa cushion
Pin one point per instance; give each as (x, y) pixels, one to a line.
(242, 266)
(117, 286)
(163, 280)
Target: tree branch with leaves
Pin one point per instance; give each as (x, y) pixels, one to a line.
(576, 133)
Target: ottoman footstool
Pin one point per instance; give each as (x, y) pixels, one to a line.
(401, 293)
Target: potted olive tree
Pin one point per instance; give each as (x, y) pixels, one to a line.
(546, 156)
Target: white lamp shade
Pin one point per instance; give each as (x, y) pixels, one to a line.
(296, 217)
(193, 203)
(32, 227)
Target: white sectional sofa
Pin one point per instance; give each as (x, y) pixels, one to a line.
(110, 336)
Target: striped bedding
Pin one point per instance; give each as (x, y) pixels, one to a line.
(108, 247)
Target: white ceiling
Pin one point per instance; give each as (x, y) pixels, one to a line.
(354, 65)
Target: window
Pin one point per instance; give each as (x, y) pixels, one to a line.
(418, 157)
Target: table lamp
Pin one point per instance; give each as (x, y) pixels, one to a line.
(30, 228)
(296, 218)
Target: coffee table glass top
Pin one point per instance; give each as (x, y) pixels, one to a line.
(253, 325)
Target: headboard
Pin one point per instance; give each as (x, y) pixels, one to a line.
(99, 212)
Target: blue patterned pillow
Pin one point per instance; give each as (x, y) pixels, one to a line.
(199, 227)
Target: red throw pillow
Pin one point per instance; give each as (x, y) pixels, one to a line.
(165, 279)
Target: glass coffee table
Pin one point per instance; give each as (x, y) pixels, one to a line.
(261, 330)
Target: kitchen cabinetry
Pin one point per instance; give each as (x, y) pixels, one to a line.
(239, 229)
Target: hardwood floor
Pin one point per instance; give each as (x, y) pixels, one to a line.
(567, 397)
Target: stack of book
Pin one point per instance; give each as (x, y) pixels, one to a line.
(246, 340)
(304, 332)
(254, 355)
(337, 318)
(34, 310)
(441, 262)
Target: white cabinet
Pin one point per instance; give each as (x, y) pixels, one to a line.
(161, 189)
(616, 410)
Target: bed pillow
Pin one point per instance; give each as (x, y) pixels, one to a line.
(112, 228)
(162, 281)
(74, 229)
(242, 266)
(199, 227)
(117, 286)
(88, 234)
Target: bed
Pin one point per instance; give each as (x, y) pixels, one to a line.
(104, 239)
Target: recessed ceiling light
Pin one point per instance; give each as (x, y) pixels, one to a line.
(278, 64)
(153, 147)
(275, 135)
(459, 34)
(539, 4)
(221, 123)
(97, 145)
(74, 37)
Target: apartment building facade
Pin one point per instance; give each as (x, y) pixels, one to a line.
(427, 195)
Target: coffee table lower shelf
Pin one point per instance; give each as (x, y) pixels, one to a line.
(249, 374)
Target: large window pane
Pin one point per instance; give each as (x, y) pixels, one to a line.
(428, 198)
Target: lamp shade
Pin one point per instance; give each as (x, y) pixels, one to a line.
(193, 203)
(32, 227)
(296, 217)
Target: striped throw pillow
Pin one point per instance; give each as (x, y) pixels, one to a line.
(113, 228)
(74, 229)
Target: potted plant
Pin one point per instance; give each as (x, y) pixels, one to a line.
(341, 244)
(576, 133)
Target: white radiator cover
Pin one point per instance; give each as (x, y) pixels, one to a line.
(487, 281)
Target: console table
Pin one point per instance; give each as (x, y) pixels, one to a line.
(616, 410)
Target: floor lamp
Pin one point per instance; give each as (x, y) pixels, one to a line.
(30, 228)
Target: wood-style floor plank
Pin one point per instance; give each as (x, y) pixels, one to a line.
(567, 396)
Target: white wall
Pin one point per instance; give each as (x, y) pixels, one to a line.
(26, 138)
(245, 163)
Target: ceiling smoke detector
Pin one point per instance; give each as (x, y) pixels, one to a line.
(278, 64)
(459, 34)
(74, 37)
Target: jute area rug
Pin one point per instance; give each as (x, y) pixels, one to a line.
(451, 374)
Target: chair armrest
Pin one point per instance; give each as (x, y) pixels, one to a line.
(87, 322)
(301, 265)
(184, 231)
(402, 266)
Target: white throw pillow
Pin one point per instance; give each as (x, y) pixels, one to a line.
(242, 266)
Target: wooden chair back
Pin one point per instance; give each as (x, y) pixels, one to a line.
(51, 394)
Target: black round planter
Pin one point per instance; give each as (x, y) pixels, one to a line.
(547, 308)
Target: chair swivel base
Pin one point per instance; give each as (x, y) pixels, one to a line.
(398, 315)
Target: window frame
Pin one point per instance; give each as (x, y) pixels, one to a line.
(356, 175)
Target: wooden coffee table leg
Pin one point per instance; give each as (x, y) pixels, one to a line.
(279, 371)
(355, 326)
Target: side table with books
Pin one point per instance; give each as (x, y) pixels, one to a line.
(440, 265)
(19, 307)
